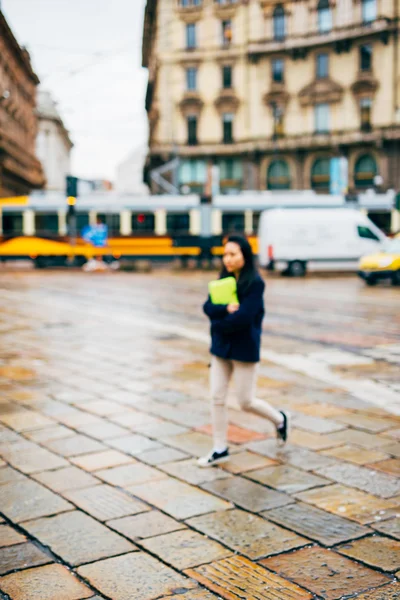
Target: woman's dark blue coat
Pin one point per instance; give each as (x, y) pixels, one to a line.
(237, 336)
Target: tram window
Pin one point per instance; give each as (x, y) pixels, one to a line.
(112, 220)
(143, 222)
(178, 223)
(233, 222)
(256, 221)
(12, 223)
(46, 224)
(82, 221)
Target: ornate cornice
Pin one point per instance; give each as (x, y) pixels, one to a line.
(191, 104)
(226, 11)
(321, 90)
(227, 102)
(365, 85)
(277, 95)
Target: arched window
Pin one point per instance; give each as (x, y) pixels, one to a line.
(365, 171)
(368, 11)
(278, 175)
(279, 23)
(320, 174)
(324, 16)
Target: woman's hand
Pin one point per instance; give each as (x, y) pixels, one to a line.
(232, 308)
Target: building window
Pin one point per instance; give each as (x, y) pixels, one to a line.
(193, 173)
(368, 11)
(366, 57)
(46, 224)
(178, 223)
(278, 114)
(230, 171)
(192, 130)
(320, 174)
(365, 171)
(278, 70)
(226, 26)
(279, 23)
(324, 16)
(278, 175)
(365, 111)
(227, 77)
(321, 113)
(322, 66)
(233, 223)
(191, 79)
(191, 36)
(227, 125)
(186, 3)
(143, 222)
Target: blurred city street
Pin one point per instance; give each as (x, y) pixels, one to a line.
(104, 411)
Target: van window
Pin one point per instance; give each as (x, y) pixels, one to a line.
(365, 232)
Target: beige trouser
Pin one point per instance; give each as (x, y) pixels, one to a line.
(245, 376)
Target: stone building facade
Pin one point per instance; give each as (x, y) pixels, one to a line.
(271, 90)
(20, 170)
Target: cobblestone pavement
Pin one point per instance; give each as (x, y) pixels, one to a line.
(104, 410)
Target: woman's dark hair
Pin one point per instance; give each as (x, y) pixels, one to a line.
(249, 270)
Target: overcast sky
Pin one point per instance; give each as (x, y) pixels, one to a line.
(87, 53)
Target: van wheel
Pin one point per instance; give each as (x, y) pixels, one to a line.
(297, 268)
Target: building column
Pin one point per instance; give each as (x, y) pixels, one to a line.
(160, 222)
(126, 222)
(62, 222)
(28, 222)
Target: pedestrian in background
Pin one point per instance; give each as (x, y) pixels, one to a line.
(235, 347)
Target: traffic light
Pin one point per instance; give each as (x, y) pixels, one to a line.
(71, 186)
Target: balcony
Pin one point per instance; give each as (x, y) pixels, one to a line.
(227, 101)
(190, 10)
(225, 9)
(191, 103)
(341, 38)
(277, 95)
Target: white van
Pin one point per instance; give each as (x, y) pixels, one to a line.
(294, 240)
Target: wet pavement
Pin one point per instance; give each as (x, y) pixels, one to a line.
(104, 410)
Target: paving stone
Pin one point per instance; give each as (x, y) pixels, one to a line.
(49, 433)
(104, 502)
(350, 503)
(74, 445)
(246, 533)
(38, 501)
(377, 551)
(21, 556)
(9, 437)
(25, 420)
(133, 444)
(78, 418)
(247, 494)
(145, 525)
(160, 429)
(194, 443)
(46, 583)
(31, 458)
(162, 455)
(77, 538)
(235, 434)
(187, 470)
(325, 573)
(360, 438)
(10, 475)
(229, 578)
(193, 595)
(390, 466)
(287, 479)
(102, 460)
(103, 408)
(391, 526)
(321, 410)
(370, 424)
(178, 499)
(9, 536)
(103, 431)
(134, 576)
(378, 484)
(245, 461)
(390, 591)
(184, 549)
(310, 440)
(70, 478)
(393, 434)
(393, 450)
(127, 475)
(294, 455)
(358, 456)
(316, 524)
(315, 424)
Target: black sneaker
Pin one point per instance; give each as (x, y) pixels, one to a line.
(282, 432)
(214, 458)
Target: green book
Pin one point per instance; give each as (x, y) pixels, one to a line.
(223, 291)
